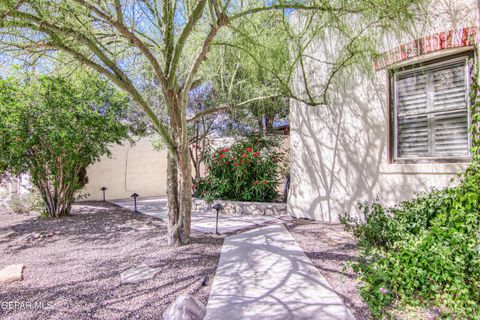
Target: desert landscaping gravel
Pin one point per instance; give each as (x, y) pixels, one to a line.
(73, 265)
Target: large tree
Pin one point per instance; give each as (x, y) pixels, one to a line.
(114, 36)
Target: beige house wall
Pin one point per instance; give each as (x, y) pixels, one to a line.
(339, 152)
(138, 168)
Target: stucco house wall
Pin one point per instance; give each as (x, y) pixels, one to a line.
(339, 153)
(138, 168)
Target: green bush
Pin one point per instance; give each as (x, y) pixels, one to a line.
(424, 252)
(52, 128)
(246, 171)
(24, 203)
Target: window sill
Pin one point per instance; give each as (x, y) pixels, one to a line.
(423, 168)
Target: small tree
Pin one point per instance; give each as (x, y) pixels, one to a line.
(53, 129)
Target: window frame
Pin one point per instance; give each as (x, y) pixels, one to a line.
(393, 119)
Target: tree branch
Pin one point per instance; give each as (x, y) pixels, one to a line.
(296, 6)
(7, 13)
(192, 21)
(228, 107)
(118, 10)
(222, 21)
(130, 36)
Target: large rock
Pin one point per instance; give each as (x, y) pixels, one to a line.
(138, 274)
(185, 307)
(11, 273)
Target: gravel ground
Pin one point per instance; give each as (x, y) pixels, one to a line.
(73, 265)
(330, 249)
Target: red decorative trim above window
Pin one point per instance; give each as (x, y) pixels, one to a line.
(458, 38)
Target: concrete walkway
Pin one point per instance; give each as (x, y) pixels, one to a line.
(203, 222)
(153, 206)
(264, 274)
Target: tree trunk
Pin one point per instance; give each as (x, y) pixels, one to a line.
(195, 160)
(260, 125)
(55, 206)
(179, 193)
(185, 192)
(173, 231)
(269, 123)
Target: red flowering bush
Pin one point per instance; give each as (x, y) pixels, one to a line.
(247, 171)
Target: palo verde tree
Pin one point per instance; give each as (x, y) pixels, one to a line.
(113, 36)
(237, 77)
(53, 129)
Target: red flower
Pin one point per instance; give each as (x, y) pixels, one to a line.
(249, 149)
(256, 154)
(236, 164)
(227, 162)
(244, 155)
(222, 156)
(255, 183)
(225, 150)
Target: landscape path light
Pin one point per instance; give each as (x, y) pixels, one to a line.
(135, 196)
(103, 190)
(217, 207)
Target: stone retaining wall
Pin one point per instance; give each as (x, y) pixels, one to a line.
(247, 208)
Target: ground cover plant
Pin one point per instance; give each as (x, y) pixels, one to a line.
(423, 253)
(248, 170)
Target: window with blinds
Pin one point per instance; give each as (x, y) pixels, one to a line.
(431, 112)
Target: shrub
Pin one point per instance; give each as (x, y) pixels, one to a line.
(246, 171)
(24, 203)
(53, 128)
(423, 252)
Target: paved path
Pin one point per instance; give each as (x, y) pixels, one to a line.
(203, 222)
(264, 274)
(153, 206)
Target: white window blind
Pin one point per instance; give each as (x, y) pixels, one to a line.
(432, 112)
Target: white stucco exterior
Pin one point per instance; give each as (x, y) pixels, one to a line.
(339, 153)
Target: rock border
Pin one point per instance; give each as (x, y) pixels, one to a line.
(276, 209)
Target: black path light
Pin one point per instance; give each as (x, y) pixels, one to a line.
(134, 196)
(103, 190)
(217, 207)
